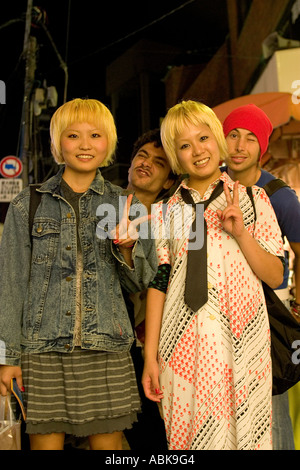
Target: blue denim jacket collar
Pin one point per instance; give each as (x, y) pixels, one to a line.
(53, 184)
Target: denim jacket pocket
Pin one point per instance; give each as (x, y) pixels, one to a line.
(45, 238)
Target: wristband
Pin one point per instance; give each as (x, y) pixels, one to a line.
(295, 307)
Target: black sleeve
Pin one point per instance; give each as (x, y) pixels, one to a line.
(161, 280)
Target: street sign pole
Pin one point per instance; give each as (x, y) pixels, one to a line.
(29, 51)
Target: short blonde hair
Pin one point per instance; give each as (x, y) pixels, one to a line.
(82, 110)
(179, 117)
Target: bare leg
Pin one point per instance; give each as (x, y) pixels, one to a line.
(111, 441)
(54, 441)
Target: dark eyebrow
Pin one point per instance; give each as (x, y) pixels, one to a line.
(158, 157)
(249, 133)
(162, 159)
(142, 151)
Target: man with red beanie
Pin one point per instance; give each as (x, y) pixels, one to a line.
(247, 130)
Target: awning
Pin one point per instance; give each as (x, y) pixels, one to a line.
(278, 106)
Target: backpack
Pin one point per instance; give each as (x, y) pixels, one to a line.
(285, 330)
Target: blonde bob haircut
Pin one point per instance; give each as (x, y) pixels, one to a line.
(82, 110)
(181, 116)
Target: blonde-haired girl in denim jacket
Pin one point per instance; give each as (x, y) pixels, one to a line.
(65, 334)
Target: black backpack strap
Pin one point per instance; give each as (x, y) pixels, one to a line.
(250, 194)
(35, 198)
(280, 184)
(272, 186)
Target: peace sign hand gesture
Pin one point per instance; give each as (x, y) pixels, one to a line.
(125, 234)
(232, 217)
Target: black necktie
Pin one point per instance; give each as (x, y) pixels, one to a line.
(196, 293)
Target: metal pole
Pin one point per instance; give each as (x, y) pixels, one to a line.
(29, 53)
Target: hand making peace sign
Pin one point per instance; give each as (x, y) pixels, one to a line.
(232, 217)
(125, 234)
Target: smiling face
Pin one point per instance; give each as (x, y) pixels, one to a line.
(198, 153)
(83, 147)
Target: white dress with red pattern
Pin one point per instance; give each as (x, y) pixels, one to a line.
(215, 364)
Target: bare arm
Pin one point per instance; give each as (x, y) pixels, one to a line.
(154, 310)
(127, 253)
(266, 266)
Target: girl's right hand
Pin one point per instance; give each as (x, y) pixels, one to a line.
(232, 217)
(150, 381)
(6, 374)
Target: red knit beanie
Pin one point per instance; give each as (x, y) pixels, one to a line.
(253, 119)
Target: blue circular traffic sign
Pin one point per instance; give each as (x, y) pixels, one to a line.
(11, 167)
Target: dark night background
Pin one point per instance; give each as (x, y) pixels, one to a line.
(123, 53)
(90, 35)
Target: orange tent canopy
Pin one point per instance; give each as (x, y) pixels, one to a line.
(278, 106)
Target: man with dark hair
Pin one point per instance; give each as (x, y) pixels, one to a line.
(150, 178)
(149, 175)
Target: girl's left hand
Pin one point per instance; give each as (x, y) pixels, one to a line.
(125, 234)
(232, 217)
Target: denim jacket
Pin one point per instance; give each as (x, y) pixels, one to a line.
(38, 283)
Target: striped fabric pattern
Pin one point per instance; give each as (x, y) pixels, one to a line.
(81, 393)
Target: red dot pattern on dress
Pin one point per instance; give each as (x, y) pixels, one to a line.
(213, 388)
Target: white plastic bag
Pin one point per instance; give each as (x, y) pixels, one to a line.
(10, 428)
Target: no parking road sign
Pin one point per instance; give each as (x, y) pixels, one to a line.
(11, 167)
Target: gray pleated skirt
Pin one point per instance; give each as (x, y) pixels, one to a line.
(80, 393)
